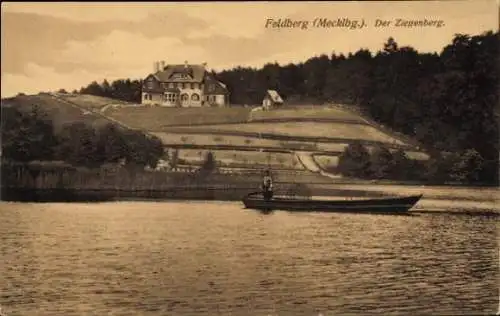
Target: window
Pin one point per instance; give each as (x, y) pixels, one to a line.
(170, 97)
(195, 97)
(150, 84)
(171, 85)
(192, 85)
(211, 87)
(184, 97)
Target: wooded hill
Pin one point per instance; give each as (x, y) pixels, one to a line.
(446, 101)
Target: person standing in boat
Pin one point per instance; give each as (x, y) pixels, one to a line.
(267, 186)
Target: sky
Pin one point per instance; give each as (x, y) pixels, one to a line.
(47, 46)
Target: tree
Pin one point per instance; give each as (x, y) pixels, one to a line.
(381, 163)
(27, 136)
(78, 145)
(142, 150)
(93, 89)
(401, 168)
(355, 161)
(439, 168)
(111, 143)
(468, 167)
(209, 163)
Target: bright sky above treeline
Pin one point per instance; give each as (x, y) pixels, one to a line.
(48, 46)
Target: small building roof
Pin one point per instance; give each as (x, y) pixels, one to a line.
(275, 97)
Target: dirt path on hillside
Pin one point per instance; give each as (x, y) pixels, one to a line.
(307, 160)
(96, 112)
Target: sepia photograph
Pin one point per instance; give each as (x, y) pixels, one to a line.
(250, 158)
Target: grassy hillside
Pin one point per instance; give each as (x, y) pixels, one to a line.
(326, 124)
(340, 131)
(59, 111)
(306, 113)
(90, 102)
(158, 118)
(239, 137)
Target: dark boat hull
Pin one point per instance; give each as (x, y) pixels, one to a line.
(382, 205)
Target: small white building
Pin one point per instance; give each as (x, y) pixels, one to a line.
(271, 99)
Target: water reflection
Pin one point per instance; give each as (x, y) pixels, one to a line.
(216, 258)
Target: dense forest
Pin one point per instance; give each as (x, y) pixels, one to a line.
(447, 101)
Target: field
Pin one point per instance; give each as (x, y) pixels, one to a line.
(306, 112)
(236, 158)
(239, 141)
(155, 119)
(304, 129)
(205, 140)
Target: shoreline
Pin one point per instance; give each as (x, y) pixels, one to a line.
(68, 195)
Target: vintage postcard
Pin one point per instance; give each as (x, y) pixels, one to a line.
(250, 158)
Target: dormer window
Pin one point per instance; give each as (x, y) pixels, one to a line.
(181, 76)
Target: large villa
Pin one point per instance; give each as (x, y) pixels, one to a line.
(184, 85)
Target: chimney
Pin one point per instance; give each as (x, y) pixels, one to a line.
(154, 67)
(162, 65)
(185, 64)
(204, 65)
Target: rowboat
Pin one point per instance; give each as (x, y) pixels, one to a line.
(392, 205)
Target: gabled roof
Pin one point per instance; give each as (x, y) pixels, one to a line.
(195, 73)
(214, 86)
(275, 97)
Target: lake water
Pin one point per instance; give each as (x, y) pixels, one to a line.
(215, 258)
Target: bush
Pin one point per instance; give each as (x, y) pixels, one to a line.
(27, 135)
(438, 168)
(467, 167)
(355, 161)
(209, 165)
(381, 163)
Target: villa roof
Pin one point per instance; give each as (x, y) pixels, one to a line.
(195, 73)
